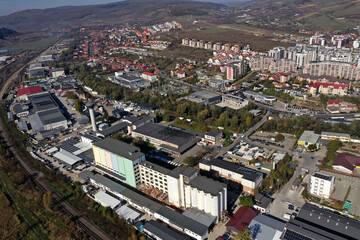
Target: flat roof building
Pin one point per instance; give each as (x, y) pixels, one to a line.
(145, 204)
(185, 188)
(266, 227)
(160, 231)
(313, 222)
(344, 137)
(68, 159)
(308, 138)
(249, 179)
(205, 97)
(120, 159)
(171, 140)
(106, 200)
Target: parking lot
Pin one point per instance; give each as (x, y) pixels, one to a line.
(269, 139)
(342, 183)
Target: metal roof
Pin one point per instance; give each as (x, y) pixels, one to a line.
(247, 173)
(114, 129)
(182, 221)
(120, 148)
(67, 157)
(106, 200)
(207, 185)
(165, 134)
(309, 136)
(161, 231)
(51, 116)
(264, 227)
(313, 222)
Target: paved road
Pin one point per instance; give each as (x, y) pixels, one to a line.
(245, 136)
(93, 230)
(306, 160)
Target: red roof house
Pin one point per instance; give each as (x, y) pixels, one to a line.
(29, 90)
(241, 219)
(346, 162)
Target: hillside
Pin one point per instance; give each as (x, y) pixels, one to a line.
(312, 14)
(129, 11)
(6, 32)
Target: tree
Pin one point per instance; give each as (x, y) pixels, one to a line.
(191, 161)
(248, 121)
(333, 145)
(243, 235)
(279, 137)
(324, 99)
(312, 147)
(246, 201)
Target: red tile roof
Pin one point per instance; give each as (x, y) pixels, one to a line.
(29, 90)
(326, 85)
(148, 73)
(241, 219)
(347, 161)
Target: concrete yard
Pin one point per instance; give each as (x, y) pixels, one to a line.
(340, 191)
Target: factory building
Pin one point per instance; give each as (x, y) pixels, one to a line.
(119, 159)
(168, 139)
(185, 188)
(249, 179)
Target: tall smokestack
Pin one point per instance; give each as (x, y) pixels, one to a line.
(90, 106)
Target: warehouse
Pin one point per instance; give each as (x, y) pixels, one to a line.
(48, 120)
(205, 97)
(68, 159)
(249, 179)
(106, 200)
(169, 216)
(344, 137)
(308, 138)
(171, 140)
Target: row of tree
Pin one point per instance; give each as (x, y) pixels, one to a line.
(297, 125)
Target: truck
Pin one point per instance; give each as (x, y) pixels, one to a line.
(287, 216)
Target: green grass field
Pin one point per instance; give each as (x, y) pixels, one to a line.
(34, 44)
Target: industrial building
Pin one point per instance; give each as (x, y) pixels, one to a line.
(232, 101)
(344, 137)
(68, 159)
(129, 80)
(205, 97)
(42, 110)
(106, 199)
(160, 212)
(313, 222)
(185, 188)
(249, 179)
(25, 92)
(160, 231)
(168, 139)
(259, 97)
(308, 138)
(212, 137)
(119, 159)
(266, 227)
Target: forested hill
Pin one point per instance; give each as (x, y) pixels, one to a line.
(5, 32)
(129, 11)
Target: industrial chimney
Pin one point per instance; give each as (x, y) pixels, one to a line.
(90, 106)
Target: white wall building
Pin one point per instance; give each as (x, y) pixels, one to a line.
(185, 188)
(321, 185)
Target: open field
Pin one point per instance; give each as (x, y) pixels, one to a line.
(230, 35)
(34, 44)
